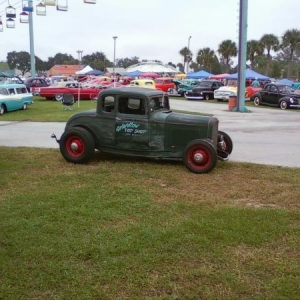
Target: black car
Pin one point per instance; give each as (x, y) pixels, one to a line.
(279, 95)
(35, 82)
(205, 90)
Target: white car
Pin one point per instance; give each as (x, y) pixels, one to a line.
(224, 92)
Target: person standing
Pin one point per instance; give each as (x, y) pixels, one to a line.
(255, 83)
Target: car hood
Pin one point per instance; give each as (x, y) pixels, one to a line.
(184, 118)
(228, 88)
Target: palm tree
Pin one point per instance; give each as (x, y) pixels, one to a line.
(205, 58)
(290, 41)
(254, 49)
(227, 49)
(187, 56)
(269, 42)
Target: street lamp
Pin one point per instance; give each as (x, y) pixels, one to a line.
(115, 38)
(187, 64)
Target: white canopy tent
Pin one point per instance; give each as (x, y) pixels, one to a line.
(151, 66)
(84, 70)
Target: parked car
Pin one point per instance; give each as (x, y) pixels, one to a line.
(205, 90)
(279, 95)
(14, 97)
(181, 86)
(56, 92)
(139, 122)
(223, 93)
(35, 82)
(164, 83)
(145, 83)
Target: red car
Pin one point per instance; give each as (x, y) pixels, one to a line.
(56, 92)
(164, 84)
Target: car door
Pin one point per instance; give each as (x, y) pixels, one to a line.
(132, 126)
(264, 94)
(272, 97)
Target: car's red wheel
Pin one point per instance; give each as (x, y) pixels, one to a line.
(77, 145)
(200, 156)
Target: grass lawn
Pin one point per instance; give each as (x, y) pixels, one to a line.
(120, 228)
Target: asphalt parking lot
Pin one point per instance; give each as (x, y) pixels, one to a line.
(263, 135)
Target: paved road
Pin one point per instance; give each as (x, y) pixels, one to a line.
(264, 136)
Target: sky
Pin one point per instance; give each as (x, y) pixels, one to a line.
(151, 30)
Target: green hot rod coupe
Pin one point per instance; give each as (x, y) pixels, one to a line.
(138, 122)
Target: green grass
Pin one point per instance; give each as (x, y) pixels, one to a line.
(122, 228)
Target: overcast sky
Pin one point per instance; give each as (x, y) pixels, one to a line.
(153, 29)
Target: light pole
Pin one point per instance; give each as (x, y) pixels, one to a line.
(115, 39)
(187, 63)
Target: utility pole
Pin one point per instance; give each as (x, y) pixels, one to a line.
(187, 63)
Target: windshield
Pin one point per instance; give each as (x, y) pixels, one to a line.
(159, 102)
(3, 91)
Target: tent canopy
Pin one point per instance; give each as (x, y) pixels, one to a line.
(199, 74)
(84, 70)
(250, 74)
(94, 72)
(133, 74)
(286, 81)
(149, 75)
(219, 76)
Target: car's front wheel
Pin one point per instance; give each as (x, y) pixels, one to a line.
(2, 110)
(24, 107)
(256, 100)
(58, 97)
(206, 97)
(77, 145)
(200, 156)
(283, 104)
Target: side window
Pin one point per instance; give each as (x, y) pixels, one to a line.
(108, 104)
(267, 88)
(133, 106)
(19, 91)
(273, 89)
(3, 91)
(11, 91)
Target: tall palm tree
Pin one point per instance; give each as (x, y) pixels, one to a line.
(269, 42)
(227, 49)
(254, 49)
(290, 41)
(205, 58)
(187, 56)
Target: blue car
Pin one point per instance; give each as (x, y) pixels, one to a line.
(14, 97)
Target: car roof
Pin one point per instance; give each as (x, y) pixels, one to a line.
(12, 85)
(133, 90)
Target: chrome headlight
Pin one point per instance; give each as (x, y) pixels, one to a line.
(291, 100)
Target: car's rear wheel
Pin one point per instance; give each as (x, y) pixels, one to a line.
(2, 109)
(256, 100)
(283, 104)
(77, 145)
(200, 157)
(206, 97)
(58, 97)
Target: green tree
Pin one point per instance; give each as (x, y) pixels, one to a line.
(97, 60)
(20, 60)
(205, 59)
(127, 62)
(254, 49)
(269, 42)
(227, 49)
(180, 66)
(187, 56)
(290, 42)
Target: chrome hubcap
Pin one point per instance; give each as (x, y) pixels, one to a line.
(198, 157)
(74, 147)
